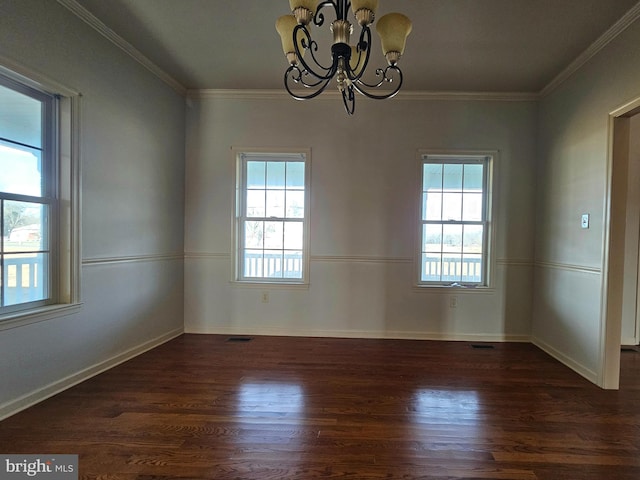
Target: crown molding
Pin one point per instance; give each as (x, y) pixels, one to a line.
(236, 94)
(91, 20)
(229, 94)
(469, 96)
(607, 37)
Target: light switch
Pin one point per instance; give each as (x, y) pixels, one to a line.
(585, 220)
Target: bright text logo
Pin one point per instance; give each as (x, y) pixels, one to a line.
(50, 467)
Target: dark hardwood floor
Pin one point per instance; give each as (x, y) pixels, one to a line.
(202, 407)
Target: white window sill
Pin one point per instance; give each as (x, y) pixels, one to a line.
(453, 288)
(20, 319)
(268, 284)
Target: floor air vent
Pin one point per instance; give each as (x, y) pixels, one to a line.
(482, 347)
(239, 339)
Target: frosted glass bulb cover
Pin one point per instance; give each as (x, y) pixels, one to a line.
(393, 29)
(308, 4)
(284, 26)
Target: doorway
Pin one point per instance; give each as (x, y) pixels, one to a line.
(620, 287)
(631, 285)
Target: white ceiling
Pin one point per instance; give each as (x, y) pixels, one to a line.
(456, 45)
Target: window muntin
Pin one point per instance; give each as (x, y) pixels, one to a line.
(454, 220)
(272, 217)
(27, 202)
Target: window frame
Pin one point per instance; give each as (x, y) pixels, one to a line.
(61, 187)
(488, 158)
(241, 156)
(48, 195)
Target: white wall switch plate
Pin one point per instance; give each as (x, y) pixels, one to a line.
(585, 220)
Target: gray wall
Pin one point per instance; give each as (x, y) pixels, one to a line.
(574, 154)
(132, 142)
(364, 201)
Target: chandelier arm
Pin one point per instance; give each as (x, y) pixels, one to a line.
(310, 85)
(364, 44)
(349, 100)
(318, 18)
(311, 45)
(379, 73)
(358, 84)
(294, 74)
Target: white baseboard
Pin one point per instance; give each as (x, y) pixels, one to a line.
(398, 335)
(568, 361)
(14, 406)
(629, 341)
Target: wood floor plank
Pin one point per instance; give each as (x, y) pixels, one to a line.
(200, 407)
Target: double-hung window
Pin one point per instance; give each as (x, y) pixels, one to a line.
(27, 201)
(39, 212)
(272, 203)
(455, 219)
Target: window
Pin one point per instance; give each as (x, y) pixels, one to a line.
(455, 223)
(271, 217)
(39, 255)
(26, 195)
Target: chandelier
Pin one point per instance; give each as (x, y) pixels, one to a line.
(348, 62)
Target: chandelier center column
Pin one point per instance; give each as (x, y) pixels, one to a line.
(342, 31)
